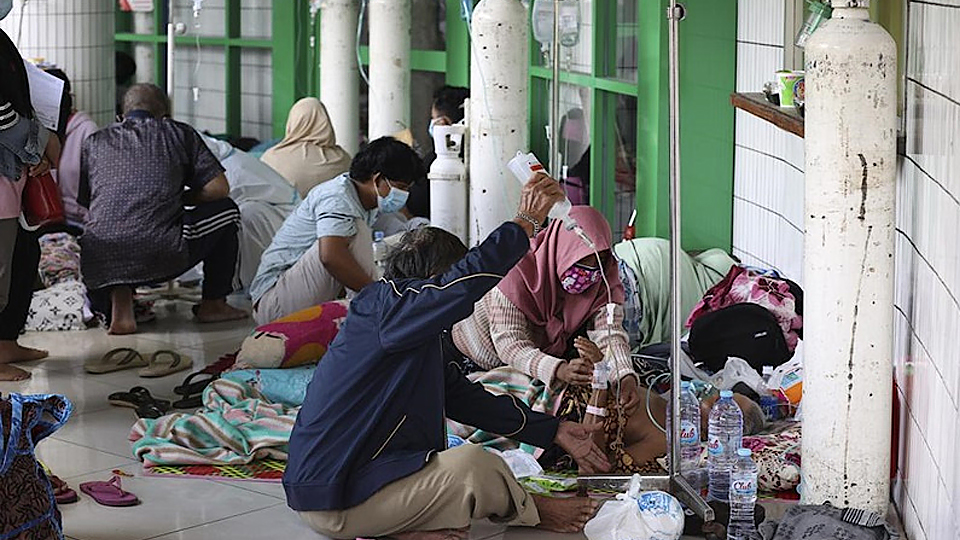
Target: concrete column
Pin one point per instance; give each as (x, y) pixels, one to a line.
(77, 35)
(339, 76)
(143, 53)
(389, 67)
(499, 108)
(850, 145)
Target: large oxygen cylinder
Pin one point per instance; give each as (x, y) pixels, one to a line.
(448, 181)
(850, 144)
(499, 108)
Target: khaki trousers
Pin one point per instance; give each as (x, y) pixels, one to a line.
(308, 283)
(454, 488)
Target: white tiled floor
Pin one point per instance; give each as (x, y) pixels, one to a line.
(94, 442)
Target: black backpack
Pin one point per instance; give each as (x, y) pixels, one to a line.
(743, 330)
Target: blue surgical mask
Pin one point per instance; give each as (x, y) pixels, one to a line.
(395, 200)
(433, 123)
(5, 7)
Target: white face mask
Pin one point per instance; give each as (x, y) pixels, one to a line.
(5, 7)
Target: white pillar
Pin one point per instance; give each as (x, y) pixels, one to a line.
(339, 76)
(850, 145)
(389, 67)
(143, 54)
(499, 107)
(77, 35)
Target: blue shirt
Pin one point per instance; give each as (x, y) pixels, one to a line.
(374, 411)
(330, 209)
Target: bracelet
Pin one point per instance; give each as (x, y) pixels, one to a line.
(528, 218)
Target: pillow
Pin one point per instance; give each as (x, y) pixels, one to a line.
(294, 340)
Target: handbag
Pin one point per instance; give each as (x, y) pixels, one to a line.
(42, 204)
(26, 496)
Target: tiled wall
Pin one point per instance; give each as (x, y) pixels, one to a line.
(208, 111)
(768, 230)
(928, 266)
(768, 166)
(77, 35)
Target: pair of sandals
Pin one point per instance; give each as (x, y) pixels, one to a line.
(109, 493)
(159, 364)
(140, 399)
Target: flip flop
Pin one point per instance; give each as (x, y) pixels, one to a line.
(190, 387)
(61, 491)
(164, 363)
(109, 493)
(116, 360)
(136, 397)
(192, 402)
(151, 410)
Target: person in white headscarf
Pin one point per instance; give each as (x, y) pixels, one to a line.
(308, 155)
(265, 199)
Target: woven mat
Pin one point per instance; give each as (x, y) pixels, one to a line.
(267, 470)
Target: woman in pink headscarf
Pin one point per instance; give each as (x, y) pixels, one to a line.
(541, 331)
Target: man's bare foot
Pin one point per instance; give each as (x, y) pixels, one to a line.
(122, 319)
(442, 534)
(210, 311)
(13, 373)
(11, 351)
(564, 515)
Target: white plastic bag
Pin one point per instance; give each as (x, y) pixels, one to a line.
(521, 464)
(737, 370)
(651, 515)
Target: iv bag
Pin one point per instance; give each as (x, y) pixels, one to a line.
(542, 18)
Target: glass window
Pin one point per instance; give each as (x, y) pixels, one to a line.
(625, 162)
(626, 44)
(203, 69)
(256, 19)
(256, 94)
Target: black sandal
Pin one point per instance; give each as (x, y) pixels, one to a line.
(135, 398)
(189, 402)
(190, 387)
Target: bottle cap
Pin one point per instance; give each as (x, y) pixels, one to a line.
(685, 385)
(744, 452)
(377, 236)
(726, 394)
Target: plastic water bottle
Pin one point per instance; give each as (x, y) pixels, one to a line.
(689, 428)
(379, 252)
(723, 439)
(743, 497)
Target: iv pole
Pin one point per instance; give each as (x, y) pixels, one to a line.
(673, 482)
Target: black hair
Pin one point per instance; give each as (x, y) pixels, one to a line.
(424, 252)
(389, 157)
(448, 101)
(147, 97)
(126, 67)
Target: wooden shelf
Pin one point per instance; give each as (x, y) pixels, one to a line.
(785, 118)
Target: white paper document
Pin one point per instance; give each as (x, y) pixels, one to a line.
(46, 92)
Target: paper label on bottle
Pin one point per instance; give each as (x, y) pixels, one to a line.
(689, 434)
(714, 446)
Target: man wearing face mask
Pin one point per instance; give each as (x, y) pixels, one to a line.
(325, 246)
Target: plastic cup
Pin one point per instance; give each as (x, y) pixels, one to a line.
(789, 83)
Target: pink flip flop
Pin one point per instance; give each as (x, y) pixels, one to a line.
(109, 493)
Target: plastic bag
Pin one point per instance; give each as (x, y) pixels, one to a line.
(521, 463)
(651, 515)
(737, 370)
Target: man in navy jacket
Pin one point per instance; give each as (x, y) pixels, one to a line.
(368, 454)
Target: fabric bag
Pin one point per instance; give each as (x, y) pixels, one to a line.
(826, 521)
(42, 204)
(745, 330)
(26, 496)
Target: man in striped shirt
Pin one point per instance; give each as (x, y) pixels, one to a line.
(158, 205)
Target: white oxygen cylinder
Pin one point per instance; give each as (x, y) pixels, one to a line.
(850, 146)
(499, 108)
(340, 83)
(448, 181)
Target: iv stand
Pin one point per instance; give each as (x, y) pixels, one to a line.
(673, 482)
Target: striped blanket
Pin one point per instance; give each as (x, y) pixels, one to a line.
(236, 426)
(507, 380)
